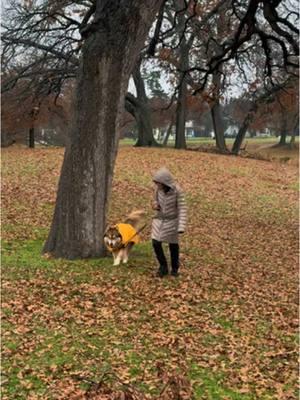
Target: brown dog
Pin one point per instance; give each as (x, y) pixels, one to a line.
(120, 238)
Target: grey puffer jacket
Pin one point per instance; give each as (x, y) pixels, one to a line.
(172, 214)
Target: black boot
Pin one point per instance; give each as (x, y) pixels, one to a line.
(174, 251)
(158, 249)
(162, 271)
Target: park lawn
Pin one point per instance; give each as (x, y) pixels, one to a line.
(248, 141)
(263, 148)
(225, 329)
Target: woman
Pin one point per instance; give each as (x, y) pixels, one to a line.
(169, 221)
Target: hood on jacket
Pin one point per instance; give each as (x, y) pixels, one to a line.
(163, 175)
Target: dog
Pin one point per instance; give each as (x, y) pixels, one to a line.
(120, 238)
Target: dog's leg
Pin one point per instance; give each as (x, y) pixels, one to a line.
(117, 257)
(117, 261)
(126, 252)
(125, 255)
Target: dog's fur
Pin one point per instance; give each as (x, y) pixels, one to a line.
(113, 239)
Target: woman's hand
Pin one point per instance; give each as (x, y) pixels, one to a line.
(155, 206)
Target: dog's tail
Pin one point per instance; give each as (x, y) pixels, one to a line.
(134, 218)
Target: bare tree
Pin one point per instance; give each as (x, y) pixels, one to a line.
(110, 45)
(281, 99)
(181, 109)
(226, 32)
(139, 107)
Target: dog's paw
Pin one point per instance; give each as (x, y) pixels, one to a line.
(125, 261)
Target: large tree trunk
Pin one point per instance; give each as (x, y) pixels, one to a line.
(31, 138)
(109, 54)
(216, 111)
(6, 140)
(216, 115)
(294, 131)
(142, 112)
(243, 129)
(168, 133)
(218, 127)
(181, 110)
(180, 141)
(283, 131)
(144, 127)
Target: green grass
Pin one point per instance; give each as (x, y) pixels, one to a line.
(207, 140)
(57, 350)
(212, 386)
(23, 259)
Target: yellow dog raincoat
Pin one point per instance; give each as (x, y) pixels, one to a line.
(128, 233)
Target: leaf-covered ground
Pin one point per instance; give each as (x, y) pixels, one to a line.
(226, 328)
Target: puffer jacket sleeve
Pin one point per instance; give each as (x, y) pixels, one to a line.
(182, 211)
(155, 200)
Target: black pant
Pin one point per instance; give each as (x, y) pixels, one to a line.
(159, 252)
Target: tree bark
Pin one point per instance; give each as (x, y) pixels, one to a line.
(283, 131)
(181, 110)
(180, 140)
(6, 140)
(293, 135)
(216, 115)
(140, 109)
(110, 50)
(168, 133)
(243, 129)
(31, 138)
(143, 116)
(216, 112)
